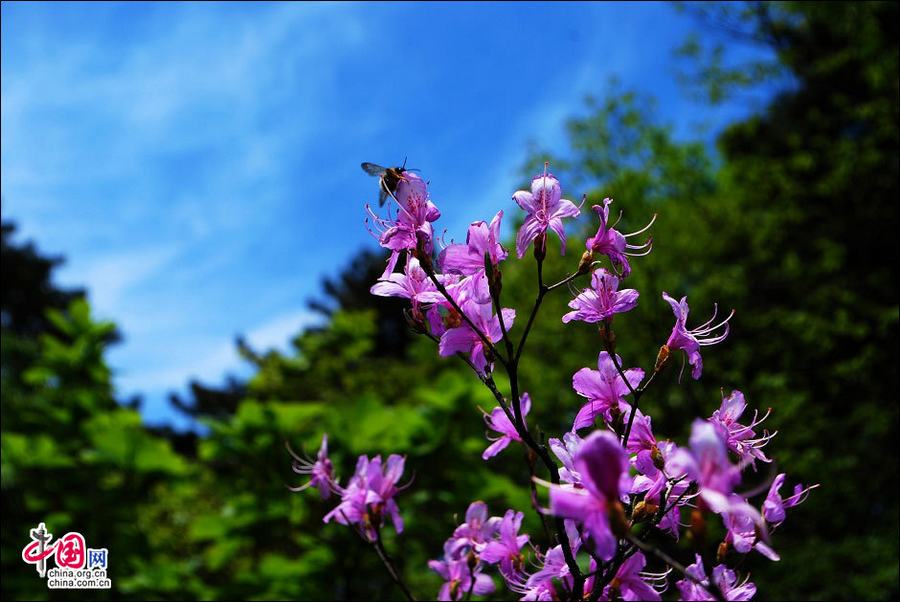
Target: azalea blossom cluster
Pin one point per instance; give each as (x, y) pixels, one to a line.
(618, 495)
(367, 500)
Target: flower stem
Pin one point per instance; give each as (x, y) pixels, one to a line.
(471, 583)
(389, 565)
(486, 341)
(636, 394)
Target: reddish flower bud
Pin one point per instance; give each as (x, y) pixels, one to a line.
(661, 358)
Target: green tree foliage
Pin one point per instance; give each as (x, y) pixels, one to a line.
(811, 187)
(71, 456)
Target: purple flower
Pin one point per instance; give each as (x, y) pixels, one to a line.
(603, 466)
(629, 582)
(691, 340)
(498, 421)
(652, 480)
(610, 242)
(539, 585)
(467, 259)
(472, 288)
(321, 471)
(723, 577)
(402, 231)
(604, 388)
(507, 549)
(413, 284)
(641, 439)
(459, 578)
(774, 507)
(565, 450)
(473, 534)
(740, 439)
(546, 208)
(463, 339)
(708, 465)
(742, 535)
(369, 496)
(602, 301)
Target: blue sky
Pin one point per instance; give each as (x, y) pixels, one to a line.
(198, 164)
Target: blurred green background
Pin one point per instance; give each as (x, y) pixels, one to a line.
(791, 219)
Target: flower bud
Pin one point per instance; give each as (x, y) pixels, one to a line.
(615, 588)
(698, 526)
(720, 553)
(617, 521)
(661, 358)
(644, 510)
(658, 460)
(616, 419)
(488, 355)
(472, 560)
(584, 266)
(415, 319)
(452, 319)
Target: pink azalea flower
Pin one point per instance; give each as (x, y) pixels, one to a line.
(741, 439)
(774, 507)
(708, 465)
(498, 422)
(691, 340)
(630, 583)
(458, 579)
(742, 535)
(723, 577)
(653, 481)
(467, 259)
(402, 231)
(463, 339)
(602, 301)
(546, 208)
(565, 450)
(603, 466)
(650, 460)
(610, 242)
(604, 389)
(413, 284)
(540, 585)
(369, 496)
(473, 534)
(321, 471)
(506, 551)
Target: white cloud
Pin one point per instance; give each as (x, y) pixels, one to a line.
(99, 156)
(277, 332)
(114, 277)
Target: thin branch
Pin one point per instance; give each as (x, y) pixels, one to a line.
(565, 280)
(486, 341)
(471, 583)
(529, 460)
(636, 394)
(382, 554)
(389, 564)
